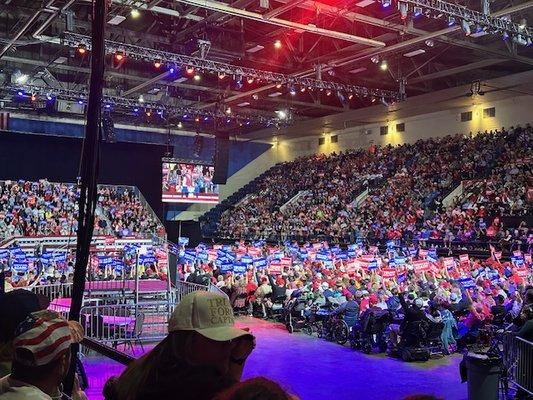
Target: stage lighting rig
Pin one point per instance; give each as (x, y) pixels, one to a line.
(198, 64)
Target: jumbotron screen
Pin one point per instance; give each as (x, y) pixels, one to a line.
(188, 183)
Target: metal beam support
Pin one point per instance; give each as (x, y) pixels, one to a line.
(284, 8)
(148, 83)
(457, 70)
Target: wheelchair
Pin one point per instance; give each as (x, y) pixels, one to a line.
(370, 333)
(412, 346)
(335, 329)
(292, 315)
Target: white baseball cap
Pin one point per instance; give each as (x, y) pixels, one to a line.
(207, 313)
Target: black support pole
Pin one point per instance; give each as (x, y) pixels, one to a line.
(88, 172)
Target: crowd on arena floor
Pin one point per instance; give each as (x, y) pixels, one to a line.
(406, 187)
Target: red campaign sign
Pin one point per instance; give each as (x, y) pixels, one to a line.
(464, 258)
(527, 258)
(275, 268)
(422, 253)
(373, 249)
(388, 272)
(217, 246)
(272, 250)
(109, 240)
(421, 266)
(254, 252)
(287, 261)
(241, 249)
(363, 264)
(367, 257)
(521, 272)
(351, 266)
(317, 246)
(448, 262)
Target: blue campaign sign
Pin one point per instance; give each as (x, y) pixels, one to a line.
(226, 267)
(184, 241)
(239, 268)
(226, 248)
(260, 262)
(258, 243)
(391, 245)
(278, 255)
(247, 259)
(222, 260)
(104, 260)
(392, 262)
(202, 256)
(372, 265)
(494, 277)
(20, 256)
(328, 264)
(400, 260)
(322, 257)
(60, 257)
(336, 250)
(342, 255)
(352, 253)
(432, 254)
(467, 283)
(20, 266)
(118, 265)
(412, 251)
(231, 256)
(188, 257)
(221, 253)
(519, 260)
(4, 254)
(352, 247)
(303, 254)
(401, 278)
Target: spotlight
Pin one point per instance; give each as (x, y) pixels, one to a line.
(189, 70)
(238, 84)
(20, 93)
(277, 44)
(384, 102)
(403, 8)
(172, 68)
(228, 110)
(221, 75)
(148, 113)
(82, 49)
(429, 43)
(141, 99)
(373, 100)
(135, 13)
(250, 80)
(386, 3)
(33, 97)
(119, 56)
(108, 106)
(49, 97)
(136, 109)
(466, 27)
(328, 93)
(505, 35)
(292, 91)
(206, 118)
(451, 21)
(302, 89)
(157, 64)
(383, 66)
(22, 78)
(80, 101)
(417, 11)
(350, 96)
(374, 59)
(197, 119)
(228, 121)
(180, 125)
(160, 113)
(278, 86)
(197, 77)
(255, 96)
(282, 114)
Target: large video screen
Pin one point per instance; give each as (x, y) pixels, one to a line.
(188, 183)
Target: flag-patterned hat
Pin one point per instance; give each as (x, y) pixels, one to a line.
(44, 336)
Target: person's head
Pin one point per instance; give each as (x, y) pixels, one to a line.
(500, 299)
(255, 389)
(41, 349)
(15, 306)
(418, 303)
(201, 334)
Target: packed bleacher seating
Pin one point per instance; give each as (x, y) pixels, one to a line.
(406, 184)
(44, 208)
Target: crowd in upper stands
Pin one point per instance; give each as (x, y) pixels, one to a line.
(45, 208)
(406, 184)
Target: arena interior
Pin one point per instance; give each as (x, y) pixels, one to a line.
(266, 199)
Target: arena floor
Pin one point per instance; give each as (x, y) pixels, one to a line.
(312, 369)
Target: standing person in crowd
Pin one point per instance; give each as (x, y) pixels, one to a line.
(202, 355)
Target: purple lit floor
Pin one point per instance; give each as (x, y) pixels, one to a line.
(312, 368)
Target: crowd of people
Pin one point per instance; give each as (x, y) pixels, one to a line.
(465, 295)
(406, 186)
(45, 208)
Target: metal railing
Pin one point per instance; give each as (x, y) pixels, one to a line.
(518, 362)
(52, 291)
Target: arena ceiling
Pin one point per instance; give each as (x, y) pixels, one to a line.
(348, 41)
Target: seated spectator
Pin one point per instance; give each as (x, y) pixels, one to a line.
(202, 355)
(41, 358)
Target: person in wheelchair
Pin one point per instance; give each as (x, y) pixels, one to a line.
(413, 313)
(349, 310)
(371, 329)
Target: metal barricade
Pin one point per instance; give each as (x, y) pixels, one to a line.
(184, 288)
(518, 362)
(52, 291)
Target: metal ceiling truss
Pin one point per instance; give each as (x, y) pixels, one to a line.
(113, 103)
(237, 72)
(484, 21)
